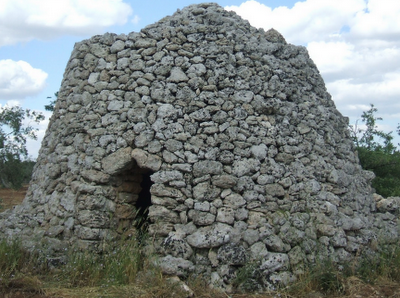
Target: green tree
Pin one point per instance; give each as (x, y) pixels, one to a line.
(50, 106)
(14, 163)
(378, 154)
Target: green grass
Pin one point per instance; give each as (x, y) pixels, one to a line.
(127, 272)
(118, 267)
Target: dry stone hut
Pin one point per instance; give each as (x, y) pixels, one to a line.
(226, 134)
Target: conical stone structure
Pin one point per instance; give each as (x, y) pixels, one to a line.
(226, 134)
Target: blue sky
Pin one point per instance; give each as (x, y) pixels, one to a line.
(354, 43)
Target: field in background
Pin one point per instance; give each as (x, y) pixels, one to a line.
(12, 197)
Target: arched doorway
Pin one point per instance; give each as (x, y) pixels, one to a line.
(133, 201)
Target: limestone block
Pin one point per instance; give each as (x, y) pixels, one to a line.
(245, 166)
(175, 266)
(161, 228)
(339, 239)
(202, 206)
(118, 161)
(163, 191)
(232, 254)
(146, 160)
(391, 204)
(226, 215)
(248, 156)
(224, 181)
(93, 218)
(326, 230)
(274, 190)
(251, 236)
(177, 247)
(241, 214)
(177, 75)
(274, 243)
(201, 218)
(282, 278)
(86, 233)
(117, 46)
(166, 176)
(211, 236)
(95, 176)
(205, 192)
(259, 151)
(206, 167)
(275, 262)
(234, 201)
(164, 201)
(258, 251)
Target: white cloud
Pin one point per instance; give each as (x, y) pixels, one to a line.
(306, 21)
(135, 20)
(385, 92)
(24, 20)
(346, 59)
(19, 79)
(354, 43)
(379, 20)
(34, 145)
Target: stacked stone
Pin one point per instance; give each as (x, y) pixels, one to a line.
(249, 158)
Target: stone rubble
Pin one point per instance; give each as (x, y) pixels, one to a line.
(249, 160)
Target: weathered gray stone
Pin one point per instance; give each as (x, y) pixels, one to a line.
(248, 156)
(175, 266)
(232, 254)
(206, 167)
(212, 236)
(177, 75)
(146, 160)
(224, 181)
(166, 176)
(251, 236)
(201, 218)
(205, 192)
(161, 213)
(118, 161)
(258, 251)
(274, 262)
(177, 247)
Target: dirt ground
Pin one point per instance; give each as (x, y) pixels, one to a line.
(12, 197)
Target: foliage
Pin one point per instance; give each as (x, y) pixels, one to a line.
(118, 267)
(50, 106)
(378, 154)
(13, 137)
(127, 272)
(16, 261)
(383, 264)
(372, 138)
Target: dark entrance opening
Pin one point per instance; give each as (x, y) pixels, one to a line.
(144, 202)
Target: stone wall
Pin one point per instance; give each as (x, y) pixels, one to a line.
(249, 160)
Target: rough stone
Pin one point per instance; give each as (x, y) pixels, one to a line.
(226, 131)
(118, 161)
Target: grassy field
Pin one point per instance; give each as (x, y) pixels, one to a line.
(126, 272)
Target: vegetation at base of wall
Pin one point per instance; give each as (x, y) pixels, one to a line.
(127, 272)
(378, 270)
(378, 154)
(120, 266)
